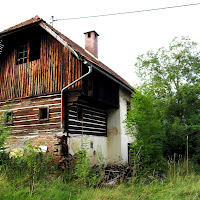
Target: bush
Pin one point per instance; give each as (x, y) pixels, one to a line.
(4, 132)
(143, 123)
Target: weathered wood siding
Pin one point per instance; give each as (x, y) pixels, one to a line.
(93, 122)
(55, 69)
(26, 115)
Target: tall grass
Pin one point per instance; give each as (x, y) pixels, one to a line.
(178, 185)
(186, 187)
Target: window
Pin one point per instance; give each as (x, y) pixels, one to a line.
(9, 118)
(79, 114)
(89, 35)
(128, 104)
(28, 52)
(22, 54)
(34, 52)
(43, 113)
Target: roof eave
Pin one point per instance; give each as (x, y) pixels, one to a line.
(130, 89)
(10, 31)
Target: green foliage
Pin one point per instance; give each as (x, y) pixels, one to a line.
(38, 164)
(178, 186)
(83, 167)
(27, 168)
(143, 122)
(4, 131)
(171, 79)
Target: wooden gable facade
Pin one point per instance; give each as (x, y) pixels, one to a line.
(34, 67)
(53, 67)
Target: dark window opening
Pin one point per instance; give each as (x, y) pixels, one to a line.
(34, 53)
(79, 114)
(9, 118)
(22, 54)
(89, 35)
(128, 104)
(43, 113)
(91, 145)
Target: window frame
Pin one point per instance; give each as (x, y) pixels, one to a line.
(24, 53)
(27, 54)
(40, 115)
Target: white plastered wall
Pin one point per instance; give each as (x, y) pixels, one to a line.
(124, 96)
(96, 145)
(117, 138)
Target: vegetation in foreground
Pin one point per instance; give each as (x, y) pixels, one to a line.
(178, 187)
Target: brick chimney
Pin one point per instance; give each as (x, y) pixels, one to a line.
(91, 42)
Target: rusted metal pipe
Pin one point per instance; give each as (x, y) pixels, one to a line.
(62, 91)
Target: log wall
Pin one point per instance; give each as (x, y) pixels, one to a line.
(92, 122)
(26, 115)
(55, 69)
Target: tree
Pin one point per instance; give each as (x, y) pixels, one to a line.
(142, 122)
(171, 77)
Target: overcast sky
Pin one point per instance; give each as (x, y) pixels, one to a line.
(122, 37)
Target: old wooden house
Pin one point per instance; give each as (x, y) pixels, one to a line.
(51, 86)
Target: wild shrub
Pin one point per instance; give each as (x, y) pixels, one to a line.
(143, 123)
(83, 169)
(4, 131)
(39, 165)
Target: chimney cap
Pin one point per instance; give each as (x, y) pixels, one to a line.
(91, 32)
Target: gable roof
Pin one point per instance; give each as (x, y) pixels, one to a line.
(76, 49)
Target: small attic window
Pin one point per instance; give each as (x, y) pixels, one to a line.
(89, 35)
(22, 54)
(43, 113)
(28, 52)
(34, 53)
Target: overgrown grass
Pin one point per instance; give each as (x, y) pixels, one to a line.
(16, 176)
(178, 187)
(185, 188)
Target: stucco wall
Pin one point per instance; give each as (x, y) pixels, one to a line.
(125, 139)
(114, 135)
(117, 138)
(96, 146)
